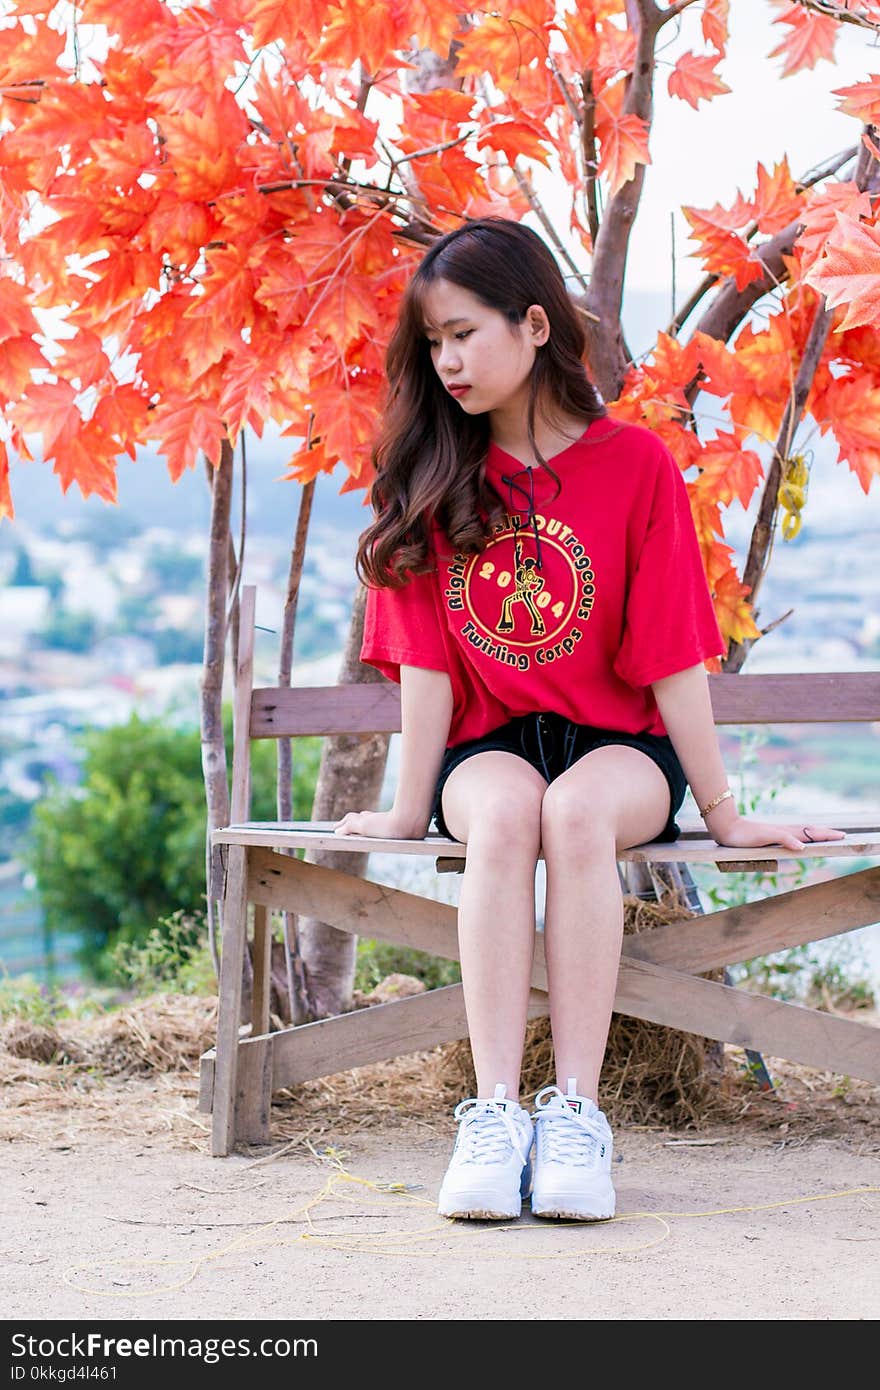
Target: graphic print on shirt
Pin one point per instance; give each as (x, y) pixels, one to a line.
(520, 608)
(527, 583)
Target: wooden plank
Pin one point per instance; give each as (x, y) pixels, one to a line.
(414, 1024)
(863, 844)
(253, 1098)
(649, 992)
(694, 944)
(234, 921)
(262, 970)
(793, 698)
(353, 904)
(768, 1026)
(802, 697)
(360, 906)
(244, 676)
(205, 1102)
(370, 708)
(754, 929)
(691, 850)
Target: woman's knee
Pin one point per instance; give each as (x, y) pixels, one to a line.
(499, 814)
(577, 817)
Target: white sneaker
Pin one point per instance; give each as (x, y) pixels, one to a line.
(573, 1148)
(490, 1168)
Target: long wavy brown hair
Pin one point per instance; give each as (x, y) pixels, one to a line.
(430, 456)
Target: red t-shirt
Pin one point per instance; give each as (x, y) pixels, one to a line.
(619, 600)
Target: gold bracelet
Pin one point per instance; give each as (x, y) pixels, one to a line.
(710, 806)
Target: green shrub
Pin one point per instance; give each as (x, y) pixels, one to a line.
(125, 851)
(376, 959)
(174, 956)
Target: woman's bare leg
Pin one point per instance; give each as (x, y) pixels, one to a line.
(610, 799)
(492, 802)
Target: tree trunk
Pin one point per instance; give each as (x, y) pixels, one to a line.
(292, 995)
(350, 779)
(211, 695)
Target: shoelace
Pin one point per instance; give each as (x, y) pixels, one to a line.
(488, 1132)
(565, 1136)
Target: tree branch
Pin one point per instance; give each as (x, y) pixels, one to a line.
(672, 10)
(591, 158)
(608, 353)
(843, 16)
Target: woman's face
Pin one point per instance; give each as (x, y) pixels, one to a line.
(482, 359)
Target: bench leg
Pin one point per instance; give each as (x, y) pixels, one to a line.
(254, 1082)
(232, 959)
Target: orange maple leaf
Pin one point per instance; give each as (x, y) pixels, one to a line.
(766, 359)
(849, 272)
(722, 251)
(504, 45)
(360, 30)
(201, 147)
(729, 470)
(515, 138)
(16, 315)
(694, 78)
(19, 358)
(861, 100)
(26, 59)
(122, 413)
(732, 608)
(245, 398)
(851, 412)
(83, 359)
(811, 38)
(285, 20)
(185, 428)
(306, 464)
(87, 458)
(819, 221)
(714, 23)
(720, 371)
(49, 409)
(623, 146)
(777, 201)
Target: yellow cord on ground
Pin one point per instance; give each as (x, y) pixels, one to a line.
(398, 1243)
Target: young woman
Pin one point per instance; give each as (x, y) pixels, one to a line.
(536, 587)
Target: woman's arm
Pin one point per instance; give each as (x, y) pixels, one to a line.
(426, 714)
(686, 710)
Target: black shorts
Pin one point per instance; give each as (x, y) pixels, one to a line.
(551, 743)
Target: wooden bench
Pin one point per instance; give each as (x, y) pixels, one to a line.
(659, 978)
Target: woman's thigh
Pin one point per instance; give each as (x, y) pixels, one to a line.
(612, 792)
(497, 796)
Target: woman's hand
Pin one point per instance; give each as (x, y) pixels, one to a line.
(751, 834)
(380, 825)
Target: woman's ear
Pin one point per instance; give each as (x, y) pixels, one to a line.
(538, 324)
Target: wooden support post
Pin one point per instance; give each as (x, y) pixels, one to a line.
(233, 944)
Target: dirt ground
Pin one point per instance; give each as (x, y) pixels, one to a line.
(114, 1208)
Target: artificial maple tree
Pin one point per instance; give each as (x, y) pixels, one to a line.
(209, 212)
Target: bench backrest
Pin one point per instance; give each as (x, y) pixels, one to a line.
(807, 698)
